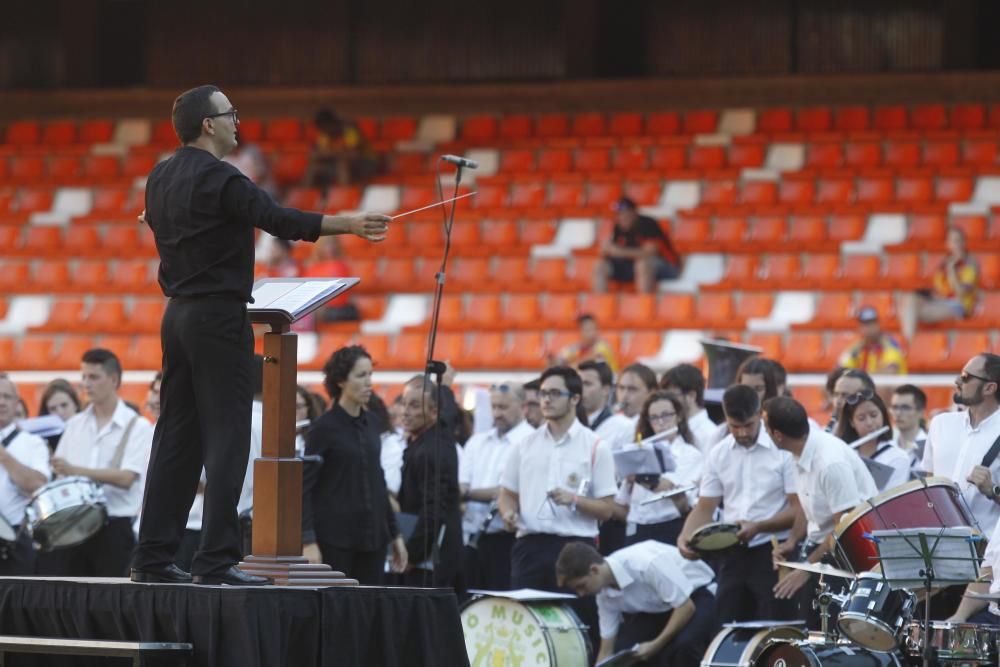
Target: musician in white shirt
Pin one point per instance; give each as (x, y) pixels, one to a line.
(24, 468)
(648, 596)
(687, 382)
(90, 448)
(907, 407)
(754, 481)
(983, 612)
(863, 414)
(957, 442)
(661, 520)
(615, 430)
(488, 545)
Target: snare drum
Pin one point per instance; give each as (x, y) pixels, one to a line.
(931, 503)
(714, 537)
(875, 615)
(741, 644)
(811, 654)
(500, 631)
(66, 512)
(955, 642)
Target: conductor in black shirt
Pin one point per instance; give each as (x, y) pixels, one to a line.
(347, 521)
(203, 213)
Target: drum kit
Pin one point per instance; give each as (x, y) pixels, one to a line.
(62, 514)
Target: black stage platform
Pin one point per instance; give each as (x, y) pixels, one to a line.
(273, 626)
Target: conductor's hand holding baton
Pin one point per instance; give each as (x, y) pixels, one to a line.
(369, 226)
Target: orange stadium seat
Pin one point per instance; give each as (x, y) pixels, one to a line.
(500, 234)
(833, 311)
(758, 193)
(70, 352)
(901, 154)
(96, 131)
(940, 153)
(729, 233)
(707, 157)
(132, 276)
(630, 158)
(768, 233)
(90, 276)
(770, 343)
(308, 199)
(663, 123)
(482, 350)
(668, 158)
(924, 231)
(953, 188)
(408, 351)
(33, 353)
(796, 192)
(10, 235)
(847, 227)
(26, 169)
(914, 190)
(64, 169)
(780, 270)
(835, 191)
(928, 351)
(589, 124)
(550, 273)
(883, 302)
(527, 195)
(741, 270)
(482, 311)
(470, 273)
(747, 155)
(675, 310)
(813, 119)
(700, 122)
(34, 200)
(964, 346)
(40, 241)
(862, 154)
(51, 276)
(891, 118)
(636, 311)
(328, 343)
(591, 159)
(625, 124)
(979, 152)
(640, 344)
(604, 307)
(343, 198)
(875, 191)
(526, 350)
(552, 125)
(516, 126)
(824, 155)
(852, 119)
(520, 311)
(14, 277)
(482, 129)
(516, 160)
(968, 116)
(775, 121)
(821, 271)
(251, 130)
(555, 159)
(163, 134)
(644, 193)
(120, 241)
(145, 316)
(860, 271)
(23, 133)
(719, 194)
(290, 168)
(802, 351)
(989, 267)
(105, 316)
(754, 304)
(137, 166)
(283, 130)
(601, 196)
(974, 226)
(65, 315)
(465, 235)
(902, 271)
(101, 168)
(928, 117)
(145, 354)
(59, 133)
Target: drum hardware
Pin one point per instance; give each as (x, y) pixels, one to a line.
(966, 643)
(490, 514)
(743, 644)
(822, 569)
(822, 602)
(875, 615)
(65, 513)
(714, 537)
(805, 653)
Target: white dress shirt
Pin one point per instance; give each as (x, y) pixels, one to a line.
(482, 467)
(256, 451)
(831, 478)
(539, 464)
(753, 482)
(28, 450)
(83, 444)
(991, 558)
(954, 448)
(616, 431)
(652, 578)
(688, 471)
(703, 429)
(890, 454)
(391, 458)
(914, 453)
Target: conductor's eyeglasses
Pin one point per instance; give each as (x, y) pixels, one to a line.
(232, 112)
(859, 396)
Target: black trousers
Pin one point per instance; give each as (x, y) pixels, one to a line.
(746, 578)
(611, 537)
(687, 647)
(17, 558)
(189, 545)
(533, 565)
(205, 401)
(488, 565)
(368, 567)
(665, 531)
(106, 554)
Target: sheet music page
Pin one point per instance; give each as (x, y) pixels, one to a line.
(291, 297)
(268, 293)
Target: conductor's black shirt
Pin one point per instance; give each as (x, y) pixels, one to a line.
(203, 212)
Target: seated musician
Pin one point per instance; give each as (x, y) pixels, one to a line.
(108, 443)
(831, 480)
(24, 468)
(648, 596)
(754, 481)
(971, 610)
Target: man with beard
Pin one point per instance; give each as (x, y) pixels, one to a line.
(960, 445)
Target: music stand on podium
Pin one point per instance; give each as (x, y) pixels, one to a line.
(277, 490)
(923, 557)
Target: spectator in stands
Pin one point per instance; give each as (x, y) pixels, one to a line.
(638, 252)
(955, 290)
(876, 352)
(251, 162)
(340, 154)
(865, 413)
(532, 403)
(591, 346)
(59, 399)
(330, 264)
(907, 407)
(688, 382)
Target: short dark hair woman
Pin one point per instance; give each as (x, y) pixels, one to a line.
(346, 517)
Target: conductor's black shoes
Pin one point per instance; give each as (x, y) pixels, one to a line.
(234, 576)
(170, 574)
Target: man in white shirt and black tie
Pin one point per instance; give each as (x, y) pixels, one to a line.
(754, 481)
(24, 468)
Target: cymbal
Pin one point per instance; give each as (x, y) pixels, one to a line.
(819, 568)
(993, 597)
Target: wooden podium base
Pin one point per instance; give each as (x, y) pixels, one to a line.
(294, 571)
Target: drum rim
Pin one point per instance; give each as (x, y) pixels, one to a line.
(853, 615)
(715, 528)
(561, 604)
(756, 644)
(48, 486)
(851, 517)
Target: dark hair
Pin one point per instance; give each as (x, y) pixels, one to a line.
(156, 378)
(574, 385)
(763, 367)
(740, 402)
(685, 378)
(603, 371)
(845, 429)
(585, 317)
(787, 416)
(575, 561)
(338, 367)
(428, 387)
(311, 412)
(991, 367)
(645, 374)
(859, 374)
(645, 428)
(106, 359)
(780, 374)
(191, 108)
(533, 385)
(54, 387)
(257, 374)
(378, 413)
(832, 377)
(919, 397)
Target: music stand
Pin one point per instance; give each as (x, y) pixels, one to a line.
(914, 557)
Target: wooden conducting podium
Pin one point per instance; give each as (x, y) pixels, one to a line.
(277, 483)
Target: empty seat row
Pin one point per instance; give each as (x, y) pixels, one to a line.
(73, 169)
(79, 277)
(888, 118)
(78, 241)
(900, 154)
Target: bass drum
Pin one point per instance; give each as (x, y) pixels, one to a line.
(741, 644)
(500, 631)
(809, 654)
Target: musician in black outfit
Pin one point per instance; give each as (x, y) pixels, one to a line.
(203, 213)
(347, 521)
(429, 490)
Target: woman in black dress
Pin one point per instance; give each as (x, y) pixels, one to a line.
(346, 518)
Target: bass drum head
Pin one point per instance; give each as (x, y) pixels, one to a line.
(805, 654)
(500, 631)
(868, 631)
(740, 645)
(69, 527)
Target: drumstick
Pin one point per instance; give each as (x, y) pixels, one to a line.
(782, 571)
(437, 203)
(868, 438)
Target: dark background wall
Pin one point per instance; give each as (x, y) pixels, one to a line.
(116, 43)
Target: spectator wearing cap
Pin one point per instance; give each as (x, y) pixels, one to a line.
(876, 352)
(590, 347)
(638, 252)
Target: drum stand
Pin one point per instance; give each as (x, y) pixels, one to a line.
(822, 602)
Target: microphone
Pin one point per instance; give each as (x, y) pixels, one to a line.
(461, 161)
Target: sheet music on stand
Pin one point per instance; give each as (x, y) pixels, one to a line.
(286, 300)
(906, 555)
